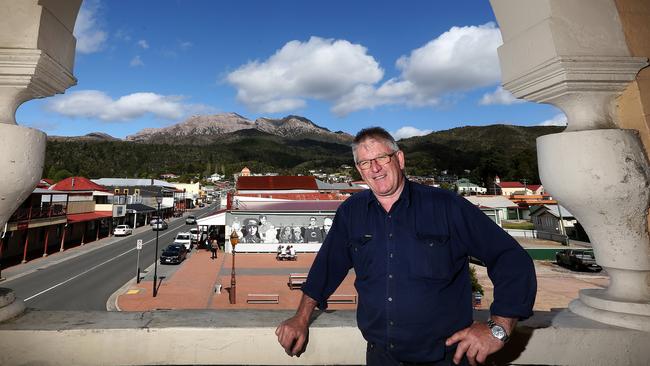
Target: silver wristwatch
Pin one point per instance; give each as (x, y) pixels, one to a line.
(498, 331)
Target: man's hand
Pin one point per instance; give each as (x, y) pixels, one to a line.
(477, 341)
(293, 335)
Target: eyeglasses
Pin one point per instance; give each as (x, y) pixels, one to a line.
(380, 160)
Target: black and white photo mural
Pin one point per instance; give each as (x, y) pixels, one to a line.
(266, 230)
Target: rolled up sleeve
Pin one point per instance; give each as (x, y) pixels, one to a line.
(509, 266)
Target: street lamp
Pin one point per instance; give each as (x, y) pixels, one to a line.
(155, 254)
(234, 239)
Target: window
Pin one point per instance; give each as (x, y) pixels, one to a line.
(117, 191)
(136, 191)
(126, 191)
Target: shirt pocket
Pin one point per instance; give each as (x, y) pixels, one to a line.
(361, 257)
(431, 258)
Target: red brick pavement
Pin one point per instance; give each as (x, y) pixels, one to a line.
(192, 286)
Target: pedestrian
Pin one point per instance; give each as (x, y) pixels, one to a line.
(409, 246)
(214, 246)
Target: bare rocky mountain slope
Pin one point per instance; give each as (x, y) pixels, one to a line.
(204, 130)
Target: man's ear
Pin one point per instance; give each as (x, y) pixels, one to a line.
(400, 159)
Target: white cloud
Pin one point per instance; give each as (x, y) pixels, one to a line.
(136, 61)
(143, 43)
(409, 131)
(184, 45)
(461, 59)
(324, 69)
(499, 96)
(557, 120)
(97, 104)
(344, 74)
(89, 33)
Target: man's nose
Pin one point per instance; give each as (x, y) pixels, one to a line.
(375, 166)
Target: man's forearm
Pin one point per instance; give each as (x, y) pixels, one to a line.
(306, 308)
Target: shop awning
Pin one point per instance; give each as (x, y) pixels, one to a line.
(88, 216)
(218, 218)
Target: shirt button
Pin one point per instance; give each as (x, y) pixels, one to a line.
(390, 216)
(391, 323)
(390, 299)
(390, 235)
(392, 345)
(391, 255)
(390, 276)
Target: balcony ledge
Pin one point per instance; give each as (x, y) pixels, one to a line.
(246, 337)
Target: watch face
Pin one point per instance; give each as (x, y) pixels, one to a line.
(498, 332)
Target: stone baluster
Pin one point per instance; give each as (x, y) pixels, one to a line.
(573, 54)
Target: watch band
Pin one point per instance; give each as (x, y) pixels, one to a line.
(498, 331)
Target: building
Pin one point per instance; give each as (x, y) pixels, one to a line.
(497, 208)
(465, 187)
(554, 222)
(140, 196)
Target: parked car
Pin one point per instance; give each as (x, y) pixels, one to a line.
(174, 253)
(578, 259)
(184, 238)
(159, 224)
(178, 213)
(196, 234)
(122, 230)
(201, 204)
(190, 220)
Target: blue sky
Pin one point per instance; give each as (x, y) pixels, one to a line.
(409, 66)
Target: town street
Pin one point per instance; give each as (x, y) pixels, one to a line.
(84, 282)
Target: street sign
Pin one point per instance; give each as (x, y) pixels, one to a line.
(138, 246)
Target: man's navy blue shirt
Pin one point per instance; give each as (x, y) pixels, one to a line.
(411, 266)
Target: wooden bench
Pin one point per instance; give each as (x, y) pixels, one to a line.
(263, 299)
(296, 280)
(342, 299)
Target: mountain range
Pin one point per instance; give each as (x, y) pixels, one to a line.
(225, 143)
(205, 130)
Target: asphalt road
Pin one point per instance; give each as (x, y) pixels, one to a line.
(85, 282)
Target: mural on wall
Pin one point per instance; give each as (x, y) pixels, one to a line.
(274, 229)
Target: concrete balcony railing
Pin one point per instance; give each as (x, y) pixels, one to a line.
(244, 337)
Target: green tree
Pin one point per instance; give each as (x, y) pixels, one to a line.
(61, 175)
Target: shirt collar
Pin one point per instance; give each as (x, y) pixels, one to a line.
(405, 196)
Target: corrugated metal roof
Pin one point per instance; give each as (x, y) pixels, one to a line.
(78, 184)
(337, 186)
(279, 182)
(491, 201)
(127, 182)
(510, 185)
(310, 206)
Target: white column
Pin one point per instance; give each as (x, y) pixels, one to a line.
(573, 54)
(36, 58)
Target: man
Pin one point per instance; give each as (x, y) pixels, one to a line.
(264, 228)
(313, 233)
(409, 246)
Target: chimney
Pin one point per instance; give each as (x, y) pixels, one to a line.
(72, 181)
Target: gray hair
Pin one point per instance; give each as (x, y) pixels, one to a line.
(376, 133)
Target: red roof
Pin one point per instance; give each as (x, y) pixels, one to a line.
(78, 184)
(534, 187)
(276, 183)
(309, 206)
(297, 196)
(89, 216)
(511, 185)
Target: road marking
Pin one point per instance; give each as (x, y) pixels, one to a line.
(133, 292)
(90, 269)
